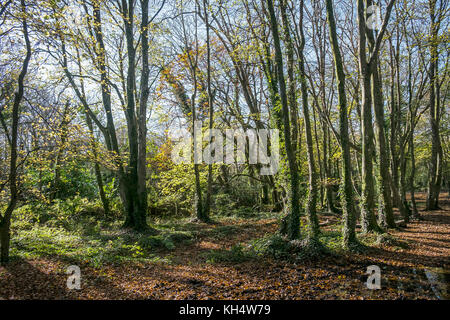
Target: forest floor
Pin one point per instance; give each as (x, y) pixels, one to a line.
(199, 269)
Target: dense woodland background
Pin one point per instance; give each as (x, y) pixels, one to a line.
(93, 92)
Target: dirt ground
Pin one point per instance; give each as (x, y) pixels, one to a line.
(189, 276)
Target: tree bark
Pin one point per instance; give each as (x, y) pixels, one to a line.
(385, 211)
(349, 222)
(310, 207)
(5, 220)
(293, 231)
(435, 167)
(368, 220)
(136, 213)
(207, 208)
(143, 100)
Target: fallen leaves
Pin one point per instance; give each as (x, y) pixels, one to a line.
(190, 277)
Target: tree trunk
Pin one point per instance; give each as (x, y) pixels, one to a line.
(98, 173)
(368, 220)
(143, 100)
(56, 184)
(385, 211)
(5, 220)
(294, 215)
(207, 208)
(5, 236)
(435, 168)
(310, 207)
(136, 212)
(349, 223)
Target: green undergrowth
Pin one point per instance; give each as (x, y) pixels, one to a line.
(77, 231)
(275, 246)
(87, 238)
(329, 243)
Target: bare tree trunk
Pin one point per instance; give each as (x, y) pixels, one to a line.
(56, 184)
(412, 115)
(98, 174)
(110, 136)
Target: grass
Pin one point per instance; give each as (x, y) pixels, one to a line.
(75, 231)
(84, 237)
(87, 239)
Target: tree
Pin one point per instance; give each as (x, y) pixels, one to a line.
(435, 168)
(5, 219)
(310, 207)
(293, 231)
(368, 220)
(207, 209)
(349, 222)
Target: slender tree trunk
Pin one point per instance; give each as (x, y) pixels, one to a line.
(385, 211)
(56, 185)
(349, 223)
(143, 101)
(405, 205)
(435, 167)
(127, 183)
(310, 207)
(294, 215)
(412, 115)
(415, 212)
(207, 208)
(368, 220)
(327, 170)
(5, 220)
(98, 173)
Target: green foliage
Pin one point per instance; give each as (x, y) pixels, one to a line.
(72, 230)
(275, 245)
(76, 179)
(175, 190)
(223, 232)
(59, 213)
(332, 239)
(165, 240)
(236, 254)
